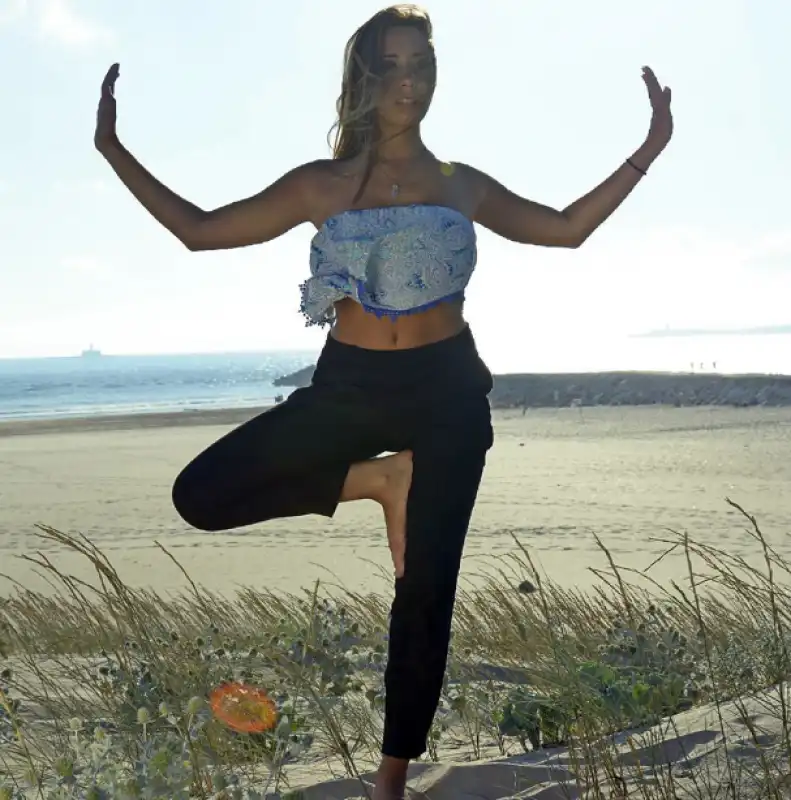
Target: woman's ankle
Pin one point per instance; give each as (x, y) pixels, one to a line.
(373, 479)
(366, 480)
(391, 778)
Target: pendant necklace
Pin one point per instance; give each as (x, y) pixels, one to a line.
(445, 168)
(395, 187)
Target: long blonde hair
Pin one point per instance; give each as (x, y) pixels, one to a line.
(355, 128)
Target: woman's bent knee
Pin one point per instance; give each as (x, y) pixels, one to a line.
(191, 499)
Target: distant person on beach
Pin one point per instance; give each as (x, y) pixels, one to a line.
(399, 372)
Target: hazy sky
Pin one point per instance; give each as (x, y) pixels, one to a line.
(219, 98)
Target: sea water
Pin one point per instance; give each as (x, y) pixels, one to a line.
(110, 384)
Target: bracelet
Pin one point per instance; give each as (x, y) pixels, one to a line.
(634, 166)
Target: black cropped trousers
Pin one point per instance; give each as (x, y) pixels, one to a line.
(293, 460)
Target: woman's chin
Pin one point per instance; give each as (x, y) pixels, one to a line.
(405, 114)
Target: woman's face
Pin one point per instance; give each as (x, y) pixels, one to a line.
(408, 72)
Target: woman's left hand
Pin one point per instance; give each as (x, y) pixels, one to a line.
(661, 129)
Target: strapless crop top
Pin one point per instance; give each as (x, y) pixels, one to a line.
(392, 260)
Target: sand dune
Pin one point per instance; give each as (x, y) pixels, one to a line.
(702, 749)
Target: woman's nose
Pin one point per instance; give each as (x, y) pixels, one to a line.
(407, 75)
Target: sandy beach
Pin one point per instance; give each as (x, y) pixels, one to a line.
(554, 477)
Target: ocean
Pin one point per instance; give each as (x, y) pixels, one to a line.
(110, 384)
(107, 384)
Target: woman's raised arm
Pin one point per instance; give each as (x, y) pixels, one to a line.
(278, 208)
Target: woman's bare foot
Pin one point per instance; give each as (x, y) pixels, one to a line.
(386, 481)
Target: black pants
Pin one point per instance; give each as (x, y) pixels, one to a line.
(293, 459)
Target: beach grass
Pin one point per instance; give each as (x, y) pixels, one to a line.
(104, 689)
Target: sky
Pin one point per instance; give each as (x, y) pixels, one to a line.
(219, 99)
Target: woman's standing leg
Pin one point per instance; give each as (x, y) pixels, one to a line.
(448, 461)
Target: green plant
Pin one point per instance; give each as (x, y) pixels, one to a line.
(103, 691)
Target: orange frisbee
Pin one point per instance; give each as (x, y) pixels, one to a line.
(243, 708)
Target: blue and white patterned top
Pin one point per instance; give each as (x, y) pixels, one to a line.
(392, 260)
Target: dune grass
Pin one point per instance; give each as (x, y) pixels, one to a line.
(103, 689)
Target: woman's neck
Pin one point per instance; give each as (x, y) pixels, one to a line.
(400, 147)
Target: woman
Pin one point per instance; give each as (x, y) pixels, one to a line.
(399, 372)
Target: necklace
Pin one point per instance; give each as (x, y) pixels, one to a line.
(395, 188)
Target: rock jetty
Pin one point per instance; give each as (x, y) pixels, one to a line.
(548, 390)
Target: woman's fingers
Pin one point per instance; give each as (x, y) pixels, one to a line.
(108, 84)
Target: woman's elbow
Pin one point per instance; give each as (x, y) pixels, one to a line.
(197, 236)
(193, 245)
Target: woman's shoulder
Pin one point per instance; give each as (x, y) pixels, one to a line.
(331, 169)
(474, 179)
(327, 181)
(471, 183)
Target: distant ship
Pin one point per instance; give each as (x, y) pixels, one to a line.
(91, 352)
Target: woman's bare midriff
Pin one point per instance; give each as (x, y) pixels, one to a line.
(360, 328)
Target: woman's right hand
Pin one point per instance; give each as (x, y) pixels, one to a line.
(105, 134)
(277, 209)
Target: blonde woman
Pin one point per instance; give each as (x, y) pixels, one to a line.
(399, 373)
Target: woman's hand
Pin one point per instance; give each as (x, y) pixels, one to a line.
(277, 209)
(661, 129)
(105, 134)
